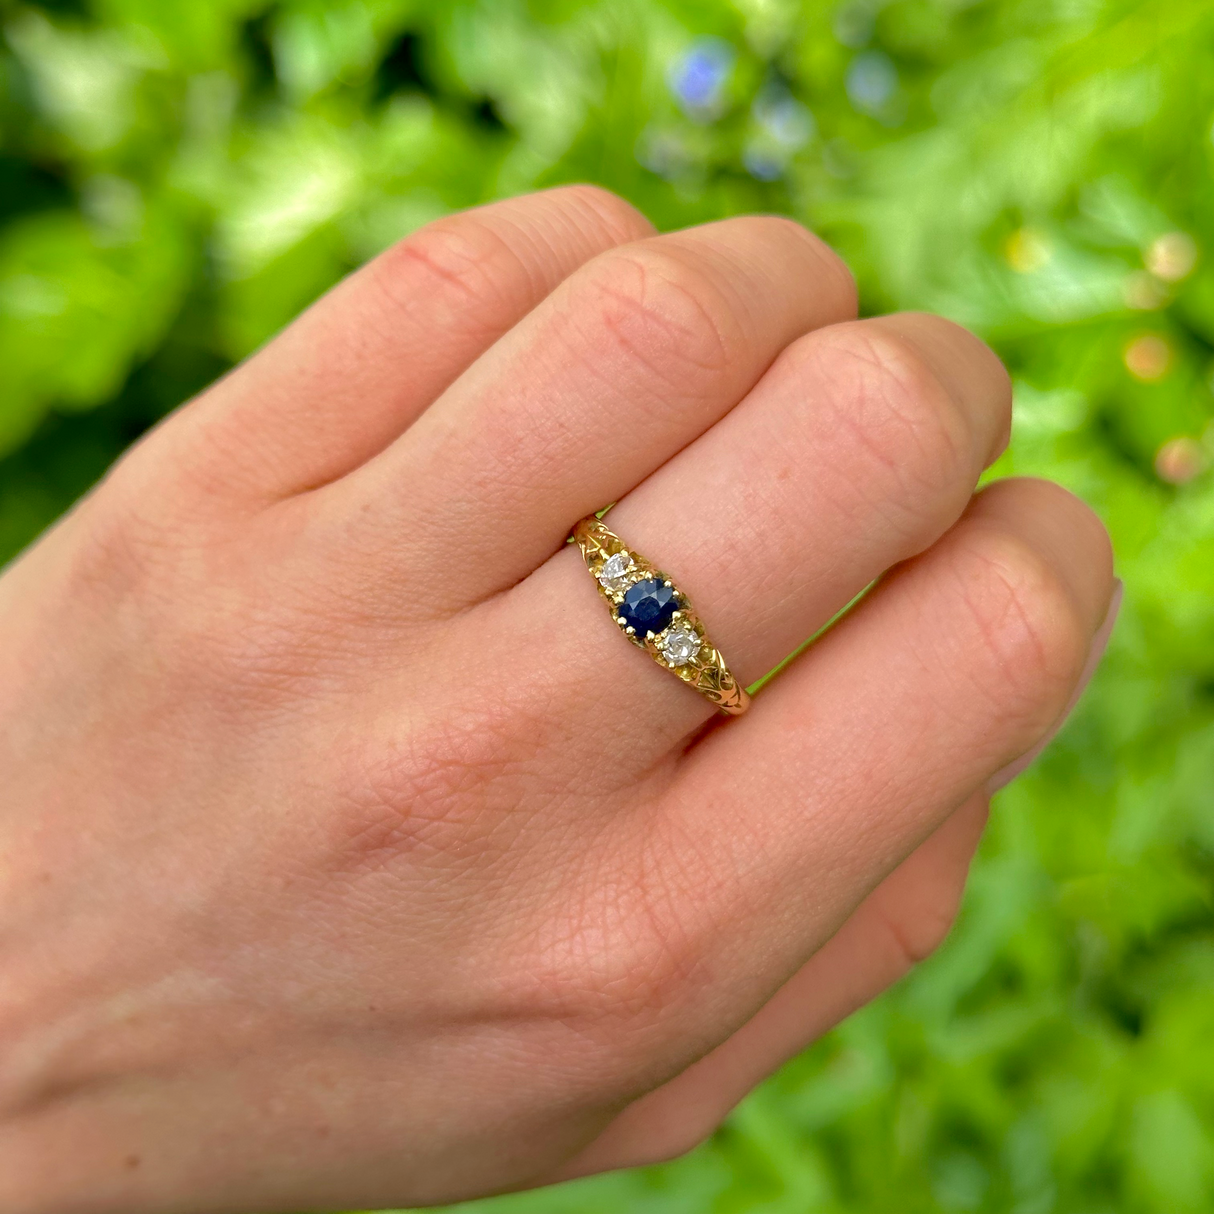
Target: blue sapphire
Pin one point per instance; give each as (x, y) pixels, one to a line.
(648, 606)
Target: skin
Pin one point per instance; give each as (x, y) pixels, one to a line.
(349, 857)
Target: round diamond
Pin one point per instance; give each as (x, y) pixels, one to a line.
(615, 569)
(680, 646)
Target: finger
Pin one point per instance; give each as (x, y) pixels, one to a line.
(1100, 643)
(355, 370)
(859, 448)
(629, 360)
(897, 926)
(790, 815)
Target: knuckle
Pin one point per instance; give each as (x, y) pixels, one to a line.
(832, 275)
(620, 220)
(660, 310)
(120, 553)
(219, 637)
(458, 254)
(142, 527)
(408, 803)
(678, 1136)
(449, 789)
(916, 935)
(616, 968)
(611, 963)
(1028, 626)
(662, 909)
(481, 259)
(913, 439)
(629, 957)
(188, 475)
(773, 252)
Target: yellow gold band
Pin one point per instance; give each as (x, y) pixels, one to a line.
(653, 614)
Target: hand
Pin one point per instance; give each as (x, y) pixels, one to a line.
(352, 858)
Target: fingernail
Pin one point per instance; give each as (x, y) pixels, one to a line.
(1100, 642)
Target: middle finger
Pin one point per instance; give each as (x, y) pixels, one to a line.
(626, 362)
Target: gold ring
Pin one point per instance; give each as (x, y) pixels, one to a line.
(656, 616)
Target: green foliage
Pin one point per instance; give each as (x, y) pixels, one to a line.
(178, 179)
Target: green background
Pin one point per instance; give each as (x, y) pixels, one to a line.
(179, 177)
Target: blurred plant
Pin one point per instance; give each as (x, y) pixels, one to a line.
(699, 76)
(177, 180)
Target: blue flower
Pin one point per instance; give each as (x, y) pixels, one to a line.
(783, 118)
(872, 81)
(782, 126)
(699, 76)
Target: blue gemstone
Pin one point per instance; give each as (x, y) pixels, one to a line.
(648, 606)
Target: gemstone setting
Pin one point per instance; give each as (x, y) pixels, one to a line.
(648, 606)
(653, 614)
(680, 646)
(614, 573)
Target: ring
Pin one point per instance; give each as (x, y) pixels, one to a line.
(656, 616)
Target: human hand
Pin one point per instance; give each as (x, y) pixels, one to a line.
(351, 858)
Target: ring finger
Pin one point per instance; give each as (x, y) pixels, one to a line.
(858, 449)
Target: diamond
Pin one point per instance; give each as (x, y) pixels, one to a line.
(614, 572)
(648, 606)
(680, 646)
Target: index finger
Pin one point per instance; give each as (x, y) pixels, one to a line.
(354, 371)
